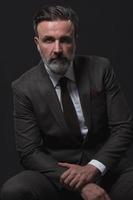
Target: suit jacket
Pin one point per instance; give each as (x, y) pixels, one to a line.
(42, 136)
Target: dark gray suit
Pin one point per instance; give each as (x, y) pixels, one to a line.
(42, 136)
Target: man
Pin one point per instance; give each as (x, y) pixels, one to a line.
(71, 120)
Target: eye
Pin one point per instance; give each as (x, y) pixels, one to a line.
(48, 40)
(66, 39)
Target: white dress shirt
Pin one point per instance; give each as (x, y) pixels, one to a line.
(73, 91)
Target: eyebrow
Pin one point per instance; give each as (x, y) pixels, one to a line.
(52, 37)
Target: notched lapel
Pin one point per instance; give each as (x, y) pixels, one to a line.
(49, 94)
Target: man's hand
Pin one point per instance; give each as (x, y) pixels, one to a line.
(92, 191)
(76, 176)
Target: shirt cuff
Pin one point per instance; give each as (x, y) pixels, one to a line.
(98, 165)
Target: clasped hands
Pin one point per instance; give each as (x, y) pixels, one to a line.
(82, 178)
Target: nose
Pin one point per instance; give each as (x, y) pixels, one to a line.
(57, 47)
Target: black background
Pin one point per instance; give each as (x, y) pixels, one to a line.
(105, 29)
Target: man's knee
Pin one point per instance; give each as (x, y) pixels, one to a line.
(13, 190)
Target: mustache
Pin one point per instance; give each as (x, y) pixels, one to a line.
(59, 58)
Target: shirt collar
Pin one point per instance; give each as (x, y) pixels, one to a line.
(55, 77)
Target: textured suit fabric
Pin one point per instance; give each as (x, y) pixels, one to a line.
(42, 136)
(43, 139)
(32, 185)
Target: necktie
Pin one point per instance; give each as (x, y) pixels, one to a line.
(68, 108)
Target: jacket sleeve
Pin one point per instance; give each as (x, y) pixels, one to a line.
(120, 125)
(29, 141)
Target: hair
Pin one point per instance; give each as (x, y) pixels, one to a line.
(53, 13)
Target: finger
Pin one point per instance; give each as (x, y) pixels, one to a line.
(74, 181)
(65, 164)
(107, 197)
(65, 175)
(68, 179)
(80, 184)
(104, 195)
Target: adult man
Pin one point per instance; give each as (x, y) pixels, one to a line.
(71, 120)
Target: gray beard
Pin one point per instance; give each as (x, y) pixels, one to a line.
(59, 67)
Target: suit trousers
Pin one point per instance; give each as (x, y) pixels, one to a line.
(32, 185)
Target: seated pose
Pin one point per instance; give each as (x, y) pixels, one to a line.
(72, 123)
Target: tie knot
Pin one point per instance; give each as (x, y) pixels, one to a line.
(63, 82)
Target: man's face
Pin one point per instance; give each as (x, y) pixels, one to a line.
(56, 44)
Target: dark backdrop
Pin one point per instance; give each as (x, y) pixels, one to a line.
(105, 29)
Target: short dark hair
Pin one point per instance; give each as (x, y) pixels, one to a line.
(52, 13)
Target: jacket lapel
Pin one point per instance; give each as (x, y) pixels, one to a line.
(81, 69)
(49, 94)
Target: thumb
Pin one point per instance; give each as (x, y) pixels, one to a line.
(68, 165)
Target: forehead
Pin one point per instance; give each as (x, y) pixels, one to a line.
(53, 28)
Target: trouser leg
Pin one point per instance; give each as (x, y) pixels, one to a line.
(123, 187)
(119, 184)
(29, 185)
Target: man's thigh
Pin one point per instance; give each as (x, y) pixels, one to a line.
(119, 186)
(29, 185)
(123, 187)
(32, 185)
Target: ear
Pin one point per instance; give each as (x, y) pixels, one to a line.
(36, 39)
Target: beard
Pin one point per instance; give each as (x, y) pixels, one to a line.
(58, 65)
